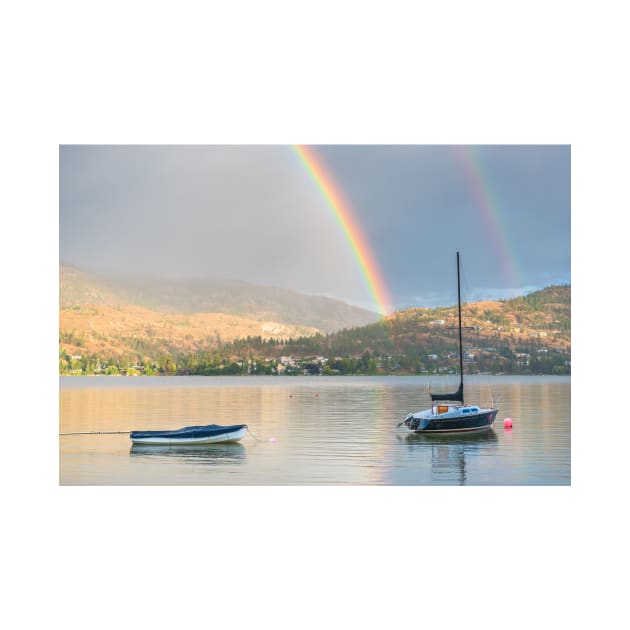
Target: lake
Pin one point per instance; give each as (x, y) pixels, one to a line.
(312, 431)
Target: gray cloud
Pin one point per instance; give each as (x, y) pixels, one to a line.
(232, 212)
(252, 213)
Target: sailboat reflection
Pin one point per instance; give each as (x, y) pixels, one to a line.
(227, 453)
(450, 454)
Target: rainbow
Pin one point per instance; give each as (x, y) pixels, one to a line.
(490, 210)
(343, 214)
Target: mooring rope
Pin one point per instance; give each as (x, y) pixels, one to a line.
(257, 440)
(97, 433)
(128, 432)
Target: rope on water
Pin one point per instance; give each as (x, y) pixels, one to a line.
(97, 433)
(257, 440)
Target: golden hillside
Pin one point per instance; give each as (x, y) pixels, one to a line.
(126, 330)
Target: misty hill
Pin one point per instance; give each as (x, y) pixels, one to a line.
(265, 304)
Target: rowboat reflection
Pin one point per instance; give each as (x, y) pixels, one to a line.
(200, 454)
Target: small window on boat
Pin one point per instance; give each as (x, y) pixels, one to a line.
(465, 410)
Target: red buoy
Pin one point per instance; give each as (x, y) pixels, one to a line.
(507, 423)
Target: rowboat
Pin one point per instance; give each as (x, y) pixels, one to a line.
(205, 434)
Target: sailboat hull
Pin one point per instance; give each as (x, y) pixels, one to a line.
(477, 422)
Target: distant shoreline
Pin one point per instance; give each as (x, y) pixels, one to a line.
(289, 376)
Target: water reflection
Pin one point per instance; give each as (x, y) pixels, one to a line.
(450, 454)
(205, 454)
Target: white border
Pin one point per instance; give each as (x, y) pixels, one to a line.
(484, 72)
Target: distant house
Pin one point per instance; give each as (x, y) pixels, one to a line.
(433, 357)
(439, 322)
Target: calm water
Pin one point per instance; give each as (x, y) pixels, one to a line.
(312, 430)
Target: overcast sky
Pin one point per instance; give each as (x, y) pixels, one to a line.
(253, 213)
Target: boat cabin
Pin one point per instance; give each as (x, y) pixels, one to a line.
(469, 410)
(440, 409)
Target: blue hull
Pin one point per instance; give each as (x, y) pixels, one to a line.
(205, 434)
(477, 422)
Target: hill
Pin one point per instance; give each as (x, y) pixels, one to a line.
(529, 334)
(264, 304)
(133, 331)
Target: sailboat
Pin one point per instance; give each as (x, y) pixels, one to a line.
(448, 413)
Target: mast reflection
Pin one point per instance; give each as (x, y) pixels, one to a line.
(450, 453)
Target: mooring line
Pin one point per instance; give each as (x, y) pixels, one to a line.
(97, 433)
(257, 440)
(128, 432)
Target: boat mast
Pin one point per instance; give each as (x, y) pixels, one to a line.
(461, 352)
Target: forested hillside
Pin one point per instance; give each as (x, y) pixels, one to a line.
(530, 334)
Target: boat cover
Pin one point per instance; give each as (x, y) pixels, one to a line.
(207, 430)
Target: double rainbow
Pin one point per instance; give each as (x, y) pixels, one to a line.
(485, 201)
(355, 238)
